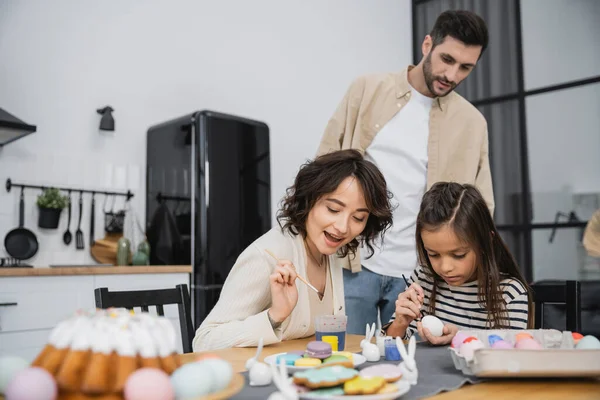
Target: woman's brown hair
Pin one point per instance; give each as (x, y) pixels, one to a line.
(463, 209)
(322, 176)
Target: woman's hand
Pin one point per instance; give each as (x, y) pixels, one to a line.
(447, 334)
(284, 294)
(408, 307)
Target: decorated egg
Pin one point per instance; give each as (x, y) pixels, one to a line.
(522, 335)
(9, 366)
(493, 339)
(222, 373)
(434, 324)
(588, 342)
(501, 345)
(470, 339)
(192, 380)
(32, 384)
(576, 337)
(528, 344)
(148, 384)
(458, 339)
(467, 349)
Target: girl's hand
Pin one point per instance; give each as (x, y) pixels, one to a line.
(284, 294)
(408, 307)
(447, 334)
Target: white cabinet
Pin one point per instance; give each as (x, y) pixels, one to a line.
(33, 305)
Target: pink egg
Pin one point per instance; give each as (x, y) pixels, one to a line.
(148, 384)
(502, 344)
(528, 344)
(468, 349)
(32, 383)
(458, 339)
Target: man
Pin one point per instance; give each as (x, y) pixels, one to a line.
(418, 131)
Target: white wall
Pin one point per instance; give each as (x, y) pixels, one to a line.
(563, 128)
(285, 63)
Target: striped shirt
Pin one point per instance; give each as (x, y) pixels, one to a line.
(458, 305)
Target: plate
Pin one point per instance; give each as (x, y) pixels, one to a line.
(357, 359)
(403, 388)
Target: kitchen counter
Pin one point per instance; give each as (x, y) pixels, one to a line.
(95, 270)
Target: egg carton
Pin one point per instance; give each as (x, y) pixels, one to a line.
(557, 358)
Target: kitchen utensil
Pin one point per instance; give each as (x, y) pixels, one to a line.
(21, 243)
(67, 236)
(79, 233)
(92, 220)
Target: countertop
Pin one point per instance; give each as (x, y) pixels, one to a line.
(95, 270)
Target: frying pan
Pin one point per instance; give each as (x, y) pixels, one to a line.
(21, 243)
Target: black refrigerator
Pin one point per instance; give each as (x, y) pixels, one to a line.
(208, 196)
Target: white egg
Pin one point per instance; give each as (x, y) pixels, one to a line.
(588, 342)
(434, 324)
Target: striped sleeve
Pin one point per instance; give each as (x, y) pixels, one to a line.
(517, 303)
(412, 327)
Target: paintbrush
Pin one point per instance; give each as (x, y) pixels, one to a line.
(299, 277)
(407, 286)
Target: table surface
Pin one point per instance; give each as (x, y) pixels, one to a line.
(500, 389)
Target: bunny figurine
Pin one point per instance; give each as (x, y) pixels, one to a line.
(408, 366)
(259, 373)
(370, 350)
(283, 384)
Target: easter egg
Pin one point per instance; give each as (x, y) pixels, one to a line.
(222, 373)
(522, 335)
(192, 380)
(148, 384)
(588, 342)
(434, 324)
(502, 345)
(458, 339)
(493, 339)
(576, 337)
(9, 366)
(32, 384)
(528, 344)
(470, 339)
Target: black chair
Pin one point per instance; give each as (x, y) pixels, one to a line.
(565, 293)
(159, 298)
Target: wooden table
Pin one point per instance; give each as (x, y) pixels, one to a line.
(502, 389)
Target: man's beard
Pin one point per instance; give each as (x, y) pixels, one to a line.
(430, 78)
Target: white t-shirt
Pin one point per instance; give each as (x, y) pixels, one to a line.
(400, 152)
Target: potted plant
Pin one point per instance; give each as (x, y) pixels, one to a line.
(51, 204)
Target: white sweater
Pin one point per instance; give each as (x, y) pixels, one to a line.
(239, 319)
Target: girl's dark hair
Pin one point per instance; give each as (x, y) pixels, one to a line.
(322, 176)
(462, 25)
(463, 209)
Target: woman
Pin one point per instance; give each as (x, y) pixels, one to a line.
(338, 202)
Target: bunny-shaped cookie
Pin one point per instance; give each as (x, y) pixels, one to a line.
(283, 384)
(259, 373)
(370, 350)
(408, 364)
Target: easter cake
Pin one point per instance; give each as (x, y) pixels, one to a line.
(525, 353)
(94, 353)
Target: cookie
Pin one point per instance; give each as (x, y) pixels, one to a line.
(317, 349)
(346, 354)
(307, 362)
(360, 385)
(288, 358)
(388, 388)
(336, 359)
(317, 378)
(389, 372)
(327, 392)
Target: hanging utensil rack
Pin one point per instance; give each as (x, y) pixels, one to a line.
(10, 184)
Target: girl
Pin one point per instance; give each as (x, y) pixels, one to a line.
(467, 277)
(338, 201)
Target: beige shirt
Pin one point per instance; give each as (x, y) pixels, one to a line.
(457, 148)
(591, 236)
(239, 319)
